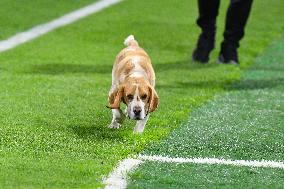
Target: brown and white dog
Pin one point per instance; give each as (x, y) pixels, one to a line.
(133, 82)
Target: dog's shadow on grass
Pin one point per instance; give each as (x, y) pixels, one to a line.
(96, 132)
(96, 128)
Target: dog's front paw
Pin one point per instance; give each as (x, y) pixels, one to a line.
(114, 125)
(138, 131)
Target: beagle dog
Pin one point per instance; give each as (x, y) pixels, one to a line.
(133, 82)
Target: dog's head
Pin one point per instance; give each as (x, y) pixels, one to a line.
(140, 98)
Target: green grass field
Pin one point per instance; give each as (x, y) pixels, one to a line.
(244, 123)
(21, 15)
(169, 175)
(53, 120)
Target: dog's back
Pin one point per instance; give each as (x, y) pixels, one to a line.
(132, 61)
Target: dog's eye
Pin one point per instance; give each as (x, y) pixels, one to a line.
(143, 97)
(130, 97)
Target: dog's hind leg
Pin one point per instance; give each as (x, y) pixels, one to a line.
(140, 125)
(117, 118)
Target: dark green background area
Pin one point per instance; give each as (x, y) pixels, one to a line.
(244, 123)
(169, 175)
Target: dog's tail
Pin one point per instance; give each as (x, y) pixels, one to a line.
(130, 41)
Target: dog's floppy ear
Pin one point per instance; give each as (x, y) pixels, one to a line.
(154, 99)
(115, 97)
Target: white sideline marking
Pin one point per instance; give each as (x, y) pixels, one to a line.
(118, 178)
(54, 24)
(253, 163)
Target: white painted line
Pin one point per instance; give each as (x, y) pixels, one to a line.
(253, 163)
(54, 24)
(118, 178)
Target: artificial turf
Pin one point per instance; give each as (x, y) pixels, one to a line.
(21, 15)
(54, 89)
(244, 123)
(169, 175)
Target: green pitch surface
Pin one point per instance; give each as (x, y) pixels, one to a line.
(154, 175)
(21, 15)
(53, 120)
(244, 123)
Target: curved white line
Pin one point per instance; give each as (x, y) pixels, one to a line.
(118, 178)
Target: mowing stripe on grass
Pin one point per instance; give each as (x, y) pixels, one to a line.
(117, 179)
(54, 24)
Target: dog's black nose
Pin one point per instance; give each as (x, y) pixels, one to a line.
(137, 110)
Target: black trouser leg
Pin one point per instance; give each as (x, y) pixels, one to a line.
(208, 12)
(237, 16)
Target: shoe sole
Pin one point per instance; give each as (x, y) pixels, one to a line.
(229, 63)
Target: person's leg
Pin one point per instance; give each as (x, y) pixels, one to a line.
(208, 12)
(237, 16)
